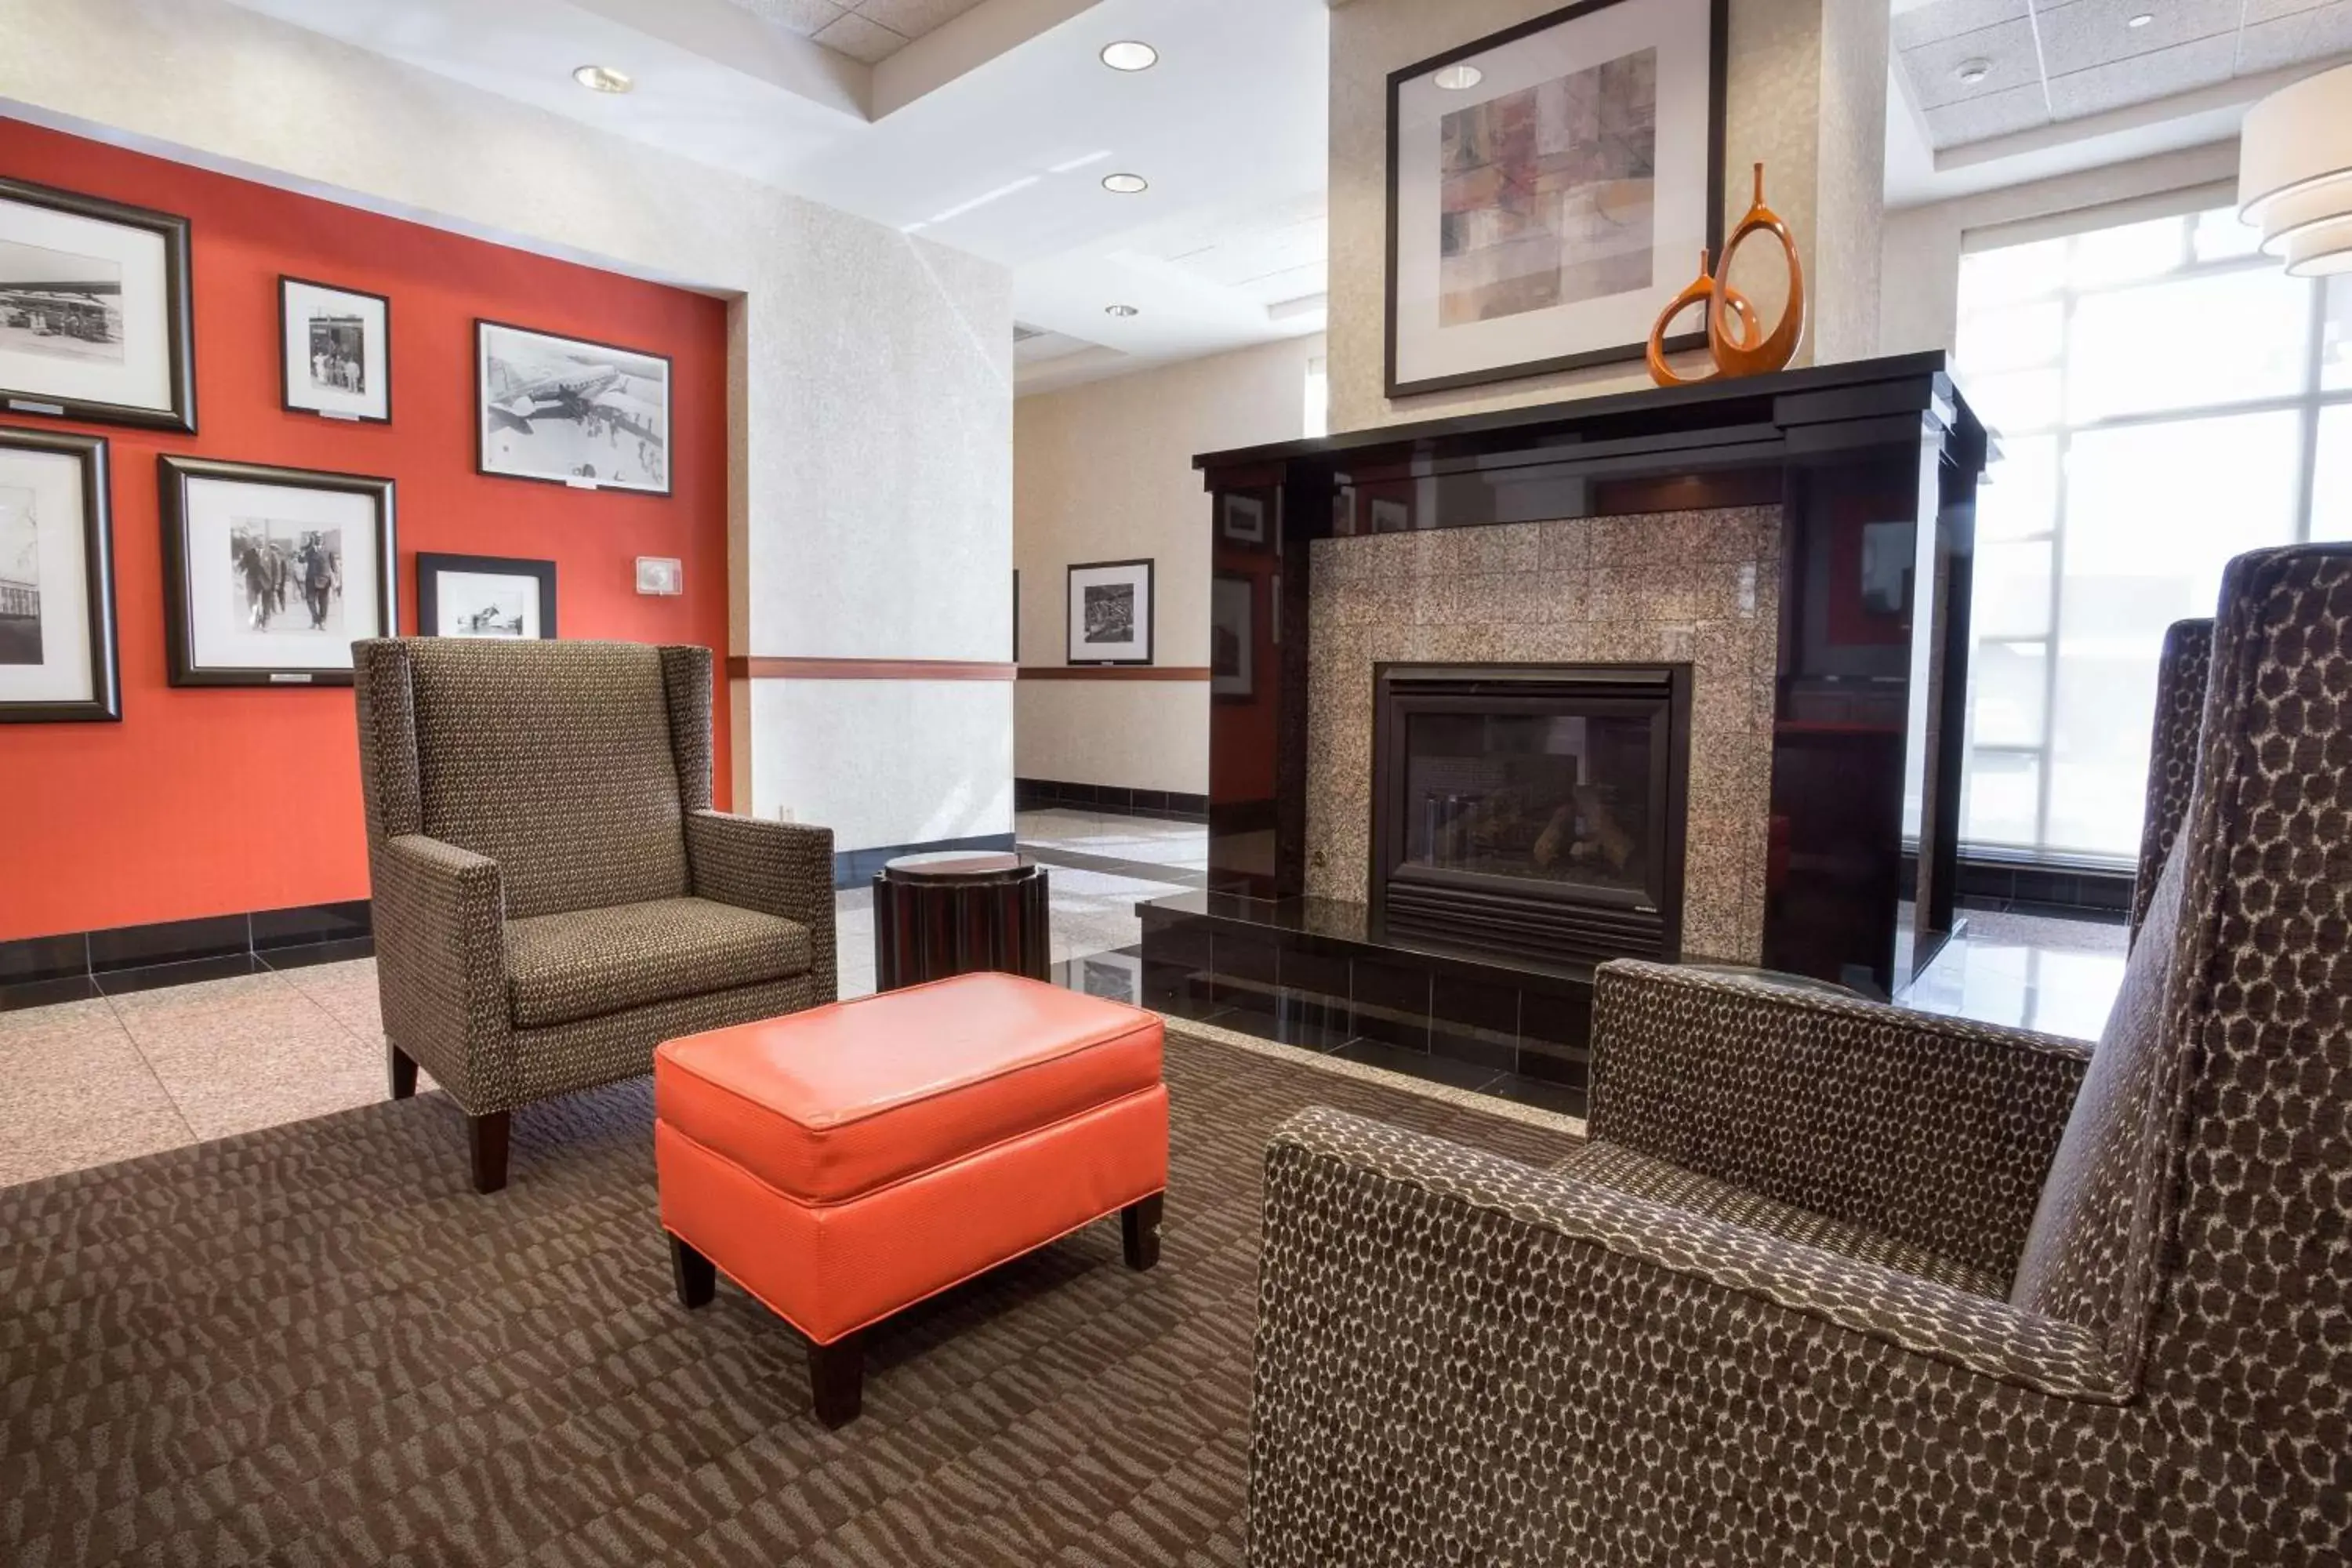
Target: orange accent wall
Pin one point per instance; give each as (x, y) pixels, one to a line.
(206, 802)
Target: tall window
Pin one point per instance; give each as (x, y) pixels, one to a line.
(1318, 420)
(2165, 398)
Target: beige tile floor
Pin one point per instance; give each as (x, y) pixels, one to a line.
(95, 1081)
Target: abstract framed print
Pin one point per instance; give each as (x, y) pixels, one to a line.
(1550, 187)
(570, 412)
(271, 574)
(334, 351)
(95, 311)
(1110, 612)
(57, 661)
(484, 596)
(1233, 636)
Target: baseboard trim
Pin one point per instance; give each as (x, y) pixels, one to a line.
(79, 964)
(1115, 800)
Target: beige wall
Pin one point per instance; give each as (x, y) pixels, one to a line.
(1104, 472)
(1813, 113)
(1923, 244)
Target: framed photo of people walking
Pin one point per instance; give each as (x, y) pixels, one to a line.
(95, 311)
(1550, 187)
(57, 661)
(570, 412)
(271, 574)
(334, 349)
(491, 596)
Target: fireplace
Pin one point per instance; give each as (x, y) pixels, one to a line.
(1533, 810)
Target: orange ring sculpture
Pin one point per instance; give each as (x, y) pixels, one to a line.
(1735, 340)
(1700, 291)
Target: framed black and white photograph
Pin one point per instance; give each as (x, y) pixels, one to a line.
(1245, 519)
(1110, 612)
(484, 596)
(570, 412)
(1550, 187)
(1115, 976)
(94, 311)
(335, 351)
(271, 574)
(57, 662)
(1233, 636)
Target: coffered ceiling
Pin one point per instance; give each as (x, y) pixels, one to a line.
(868, 30)
(1978, 70)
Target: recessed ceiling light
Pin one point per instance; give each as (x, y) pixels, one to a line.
(1129, 56)
(603, 78)
(1975, 70)
(1459, 77)
(1126, 184)
(1122, 312)
(2142, 20)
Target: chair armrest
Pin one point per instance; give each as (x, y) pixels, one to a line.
(1933, 1129)
(780, 869)
(441, 966)
(1453, 1347)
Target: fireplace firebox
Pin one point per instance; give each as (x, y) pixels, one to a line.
(1531, 810)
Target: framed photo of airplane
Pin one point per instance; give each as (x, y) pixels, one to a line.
(570, 412)
(94, 311)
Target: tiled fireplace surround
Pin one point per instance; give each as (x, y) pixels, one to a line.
(1697, 588)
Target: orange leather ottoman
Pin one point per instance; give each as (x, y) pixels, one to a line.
(845, 1162)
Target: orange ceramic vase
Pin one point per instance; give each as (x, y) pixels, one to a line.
(1700, 291)
(1741, 355)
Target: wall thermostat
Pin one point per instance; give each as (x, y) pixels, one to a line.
(660, 574)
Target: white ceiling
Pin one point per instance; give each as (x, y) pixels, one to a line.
(991, 132)
(2043, 62)
(869, 31)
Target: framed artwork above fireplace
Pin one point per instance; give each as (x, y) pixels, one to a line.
(1551, 186)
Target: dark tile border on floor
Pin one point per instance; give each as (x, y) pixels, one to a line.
(1110, 866)
(36, 971)
(1117, 800)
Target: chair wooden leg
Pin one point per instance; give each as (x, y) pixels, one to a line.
(403, 1072)
(486, 1138)
(696, 1275)
(1139, 1230)
(837, 1379)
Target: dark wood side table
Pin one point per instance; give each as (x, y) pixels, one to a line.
(956, 911)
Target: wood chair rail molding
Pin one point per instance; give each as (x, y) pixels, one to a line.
(763, 668)
(1113, 672)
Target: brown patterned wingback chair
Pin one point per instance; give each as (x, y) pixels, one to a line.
(2182, 670)
(553, 895)
(1840, 1283)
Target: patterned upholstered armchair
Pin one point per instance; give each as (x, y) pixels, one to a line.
(1841, 1283)
(553, 894)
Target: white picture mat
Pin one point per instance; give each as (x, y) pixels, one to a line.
(456, 592)
(305, 301)
(1080, 651)
(54, 481)
(217, 639)
(143, 379)
(1678, 30)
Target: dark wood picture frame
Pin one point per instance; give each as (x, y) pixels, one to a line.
(179, 309)
(104, 706)
(481, 411)
(1150, 610)
(431, 565)
(285, 384)
(1718, 70)
(172, 476)
(1248, 676)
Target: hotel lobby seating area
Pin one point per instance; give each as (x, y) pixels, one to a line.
(1176, 784)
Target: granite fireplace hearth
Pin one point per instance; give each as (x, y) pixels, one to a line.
(1673, 675)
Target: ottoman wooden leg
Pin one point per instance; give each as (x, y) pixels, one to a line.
(696, 1275)
(486, 1138)
(1139, 1231)
(837, 1379)
(403, 1072)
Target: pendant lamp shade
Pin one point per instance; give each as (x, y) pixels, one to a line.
(2294, 172)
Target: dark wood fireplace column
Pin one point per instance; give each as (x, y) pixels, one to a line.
(1873, 466)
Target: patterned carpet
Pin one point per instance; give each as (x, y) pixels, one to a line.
(314, 1345)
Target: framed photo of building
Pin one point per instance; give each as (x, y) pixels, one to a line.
(484, 596)
(570, 412)
(1550, 187)
(1233, 636)
(57, 662)
(334, 349)
(271, 574)
(94, 311)
(1110, 612)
